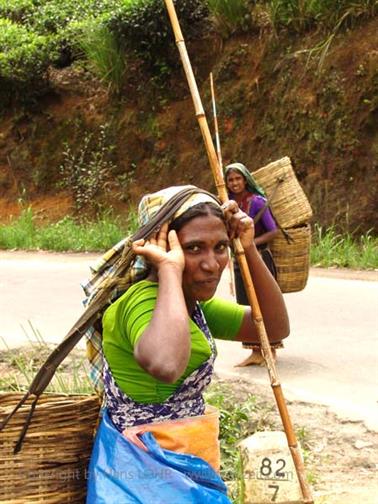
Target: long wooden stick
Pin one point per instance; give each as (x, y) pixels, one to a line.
(215, 116)
(238, 248)
(220, 161)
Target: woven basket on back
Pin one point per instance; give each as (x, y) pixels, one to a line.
(292, 259)
(51, 467)
(288, 202)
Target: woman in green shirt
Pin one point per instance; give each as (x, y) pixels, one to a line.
(158, 341)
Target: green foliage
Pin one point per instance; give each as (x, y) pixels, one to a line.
(67, 20)
(328, 248)
(66, 234)
(143, 28)
(238, 419)
(16, 10)
(53, 31)
(71, 377)
(236, 423)
(300, 15)
(332, 249)
(103, 53)
(53, 16)
(20, 233)
(24, 58)
(86, 169)
(230, 15)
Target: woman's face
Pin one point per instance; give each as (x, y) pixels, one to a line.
(236, 182)
(204, 241)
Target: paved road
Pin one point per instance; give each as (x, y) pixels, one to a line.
(331, 356)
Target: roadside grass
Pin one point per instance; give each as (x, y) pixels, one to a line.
(67, 234)
(18, 366)
(329, 248)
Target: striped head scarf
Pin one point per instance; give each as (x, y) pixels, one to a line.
(104, 271)
(252, 185)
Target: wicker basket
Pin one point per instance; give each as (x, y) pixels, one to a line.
(288, 202)
(292, 259)
(51, 467)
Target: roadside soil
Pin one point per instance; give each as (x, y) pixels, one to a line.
(340, 456)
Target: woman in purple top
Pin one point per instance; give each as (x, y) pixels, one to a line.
(251, 199)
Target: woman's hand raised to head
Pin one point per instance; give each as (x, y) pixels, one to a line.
(161, 250)
(239, 224)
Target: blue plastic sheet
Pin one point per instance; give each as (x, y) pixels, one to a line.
(122, 473)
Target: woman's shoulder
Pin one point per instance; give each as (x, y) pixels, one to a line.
(137, 293)
(258, 199)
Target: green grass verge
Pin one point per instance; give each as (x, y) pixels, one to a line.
(329, 248)
(65, 235)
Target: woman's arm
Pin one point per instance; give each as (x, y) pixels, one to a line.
(268, 293)
(163, 350)
(266, 237)
(268, 223)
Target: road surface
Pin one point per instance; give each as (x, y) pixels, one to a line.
(330, 357)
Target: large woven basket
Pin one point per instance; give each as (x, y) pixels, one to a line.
(288, 202)
(51, 466)
(292, 258)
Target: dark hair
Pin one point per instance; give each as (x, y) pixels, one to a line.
(200, 210)
(234, 170)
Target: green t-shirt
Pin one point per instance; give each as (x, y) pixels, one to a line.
(126, 319)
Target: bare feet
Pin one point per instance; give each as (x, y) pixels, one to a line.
(255, 359)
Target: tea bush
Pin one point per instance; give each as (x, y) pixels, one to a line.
(15, 10)
(46, 32)
(144, 28)
(24, 58)
(55, 15)
(230, 16)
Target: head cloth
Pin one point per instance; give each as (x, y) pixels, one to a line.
(151, 203)
(252, 185)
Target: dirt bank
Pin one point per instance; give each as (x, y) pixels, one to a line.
(273, 101)
(340, 456)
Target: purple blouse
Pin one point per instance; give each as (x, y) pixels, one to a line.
(251, 204)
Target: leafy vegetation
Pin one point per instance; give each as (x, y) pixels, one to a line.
(66, 234)
(19, 366)
(24, 55)
(34, 34)
(301, 15)
(103, 53)
(328, 247)
(238, 420)
(86, 169)
(144, 30)
(229, 17)
(344, 251)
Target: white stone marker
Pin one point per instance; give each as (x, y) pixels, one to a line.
(269, 471)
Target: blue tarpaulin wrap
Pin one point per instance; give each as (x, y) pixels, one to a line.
(122, 473)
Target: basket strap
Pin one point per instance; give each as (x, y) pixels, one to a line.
(25, 427)
(267, 204)
(89, 316)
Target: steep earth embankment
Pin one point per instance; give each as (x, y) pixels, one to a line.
(273, 100)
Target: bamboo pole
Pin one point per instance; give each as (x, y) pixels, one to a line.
(239, 252)
(220, 161)
(216, 129)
